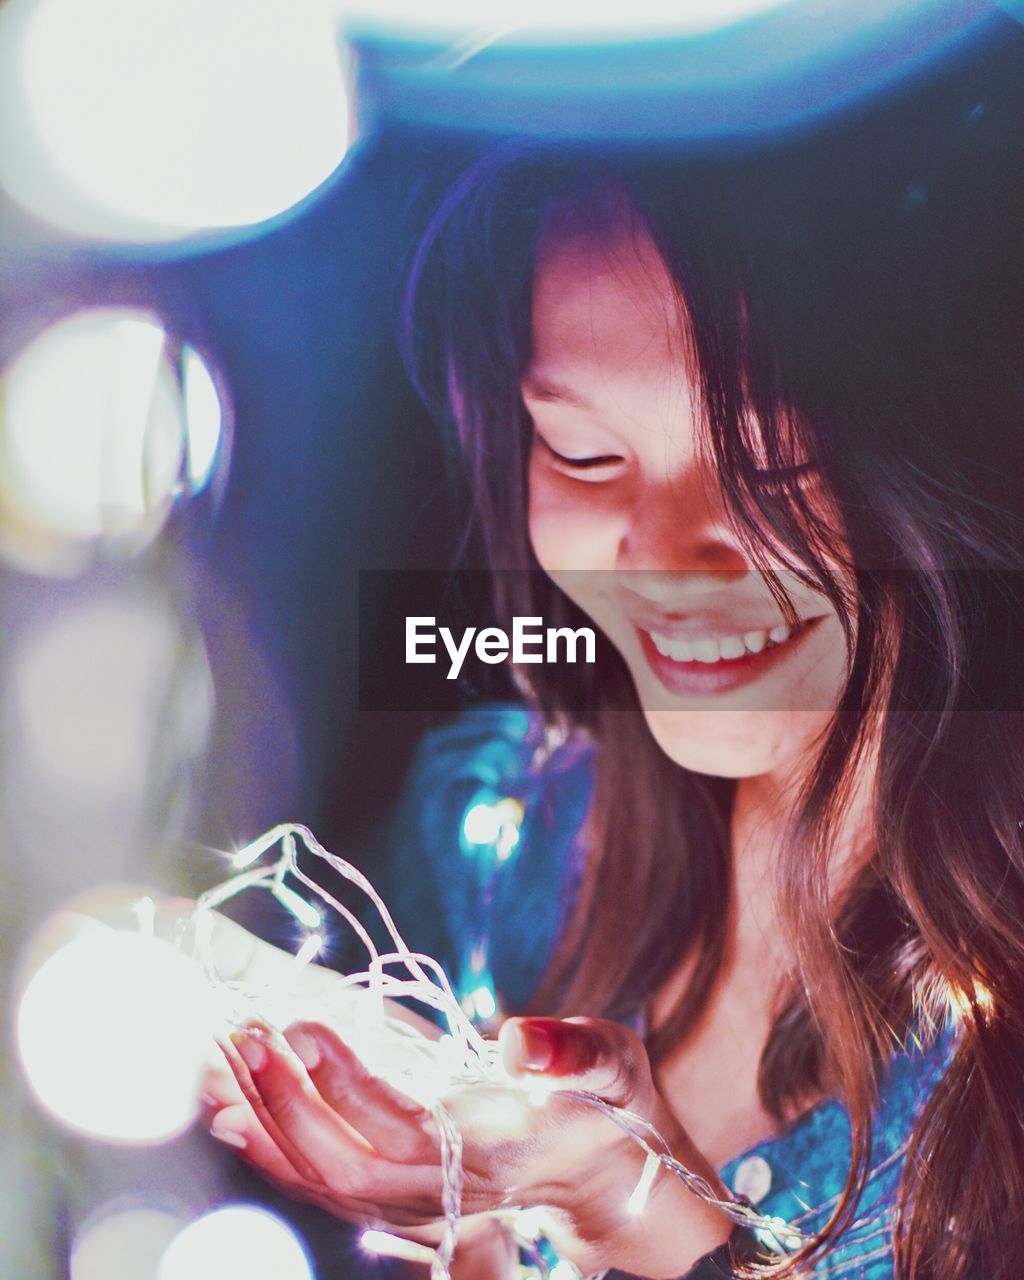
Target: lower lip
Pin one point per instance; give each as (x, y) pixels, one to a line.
(696, 679)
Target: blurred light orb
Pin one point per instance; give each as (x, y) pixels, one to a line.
(113, 1031)
(155, 120)
(103, 425)
(237, 1240)
(482, 824)
(123, 1244)
(98, 692)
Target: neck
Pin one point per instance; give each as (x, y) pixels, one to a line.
(762, 808)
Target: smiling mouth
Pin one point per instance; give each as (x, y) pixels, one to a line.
(712, 651)
(714, 665)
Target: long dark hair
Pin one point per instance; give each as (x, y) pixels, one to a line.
(864, 289)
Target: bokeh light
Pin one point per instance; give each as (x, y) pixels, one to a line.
(493, 823)
(237, 1240)
(147, 121)
(89, 701)
(122, 1244)
(482, 824)
(114, 1029)
(102, 426)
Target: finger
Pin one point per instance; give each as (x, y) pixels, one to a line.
(243, 1052)
(391, 1122)
(599, 1056)
(321, 1146)
(219, 1088)
(237, 1127)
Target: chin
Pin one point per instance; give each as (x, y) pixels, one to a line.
(733, 744)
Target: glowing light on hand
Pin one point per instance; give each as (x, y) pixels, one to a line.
(384, 1245)
(132, 973)
(637, 1202)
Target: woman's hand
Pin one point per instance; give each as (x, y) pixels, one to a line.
(317, 1124)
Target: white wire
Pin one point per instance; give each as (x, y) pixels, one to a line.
(466, 1059)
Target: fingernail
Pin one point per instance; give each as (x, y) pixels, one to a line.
(251, 1049)
(223, 1132)
(305, 1048)
(537, 1047)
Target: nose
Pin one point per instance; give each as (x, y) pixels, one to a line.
(679, 524)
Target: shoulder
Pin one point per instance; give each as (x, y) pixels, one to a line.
(486, 841)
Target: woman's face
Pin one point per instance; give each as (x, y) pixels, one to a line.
(627, 517)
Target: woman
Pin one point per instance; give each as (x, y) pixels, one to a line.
(758, 418)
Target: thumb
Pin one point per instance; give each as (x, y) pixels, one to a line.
(584, 1053)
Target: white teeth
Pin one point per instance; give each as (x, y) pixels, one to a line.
(706, 650)
(710, 651)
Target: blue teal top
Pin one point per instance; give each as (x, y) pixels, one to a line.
(491, 914)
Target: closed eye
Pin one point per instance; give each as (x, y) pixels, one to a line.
(589, 463)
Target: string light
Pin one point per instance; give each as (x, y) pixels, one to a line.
(423, 1068)
(637, 1202)
(385, 1245)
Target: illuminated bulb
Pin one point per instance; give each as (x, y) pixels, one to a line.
(384, 1245)
(506, 842)
(539, 1089)
(237, 1240)
(510, 813)
(150, 121)
(113, 1031)
(255, 850)
(530, 1224)
(481, 1003)
(309, 950)
(482, 824)
(637, 1202)
(303, 911)
(145, 913)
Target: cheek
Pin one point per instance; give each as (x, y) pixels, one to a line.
(570, 524)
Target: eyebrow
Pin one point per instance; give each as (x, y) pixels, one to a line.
(555, 393)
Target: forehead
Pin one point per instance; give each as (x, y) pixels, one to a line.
(606, 306)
